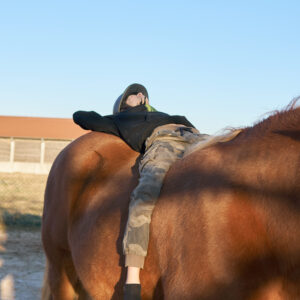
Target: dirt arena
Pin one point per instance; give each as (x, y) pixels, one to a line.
(22, 259)
(21, 264)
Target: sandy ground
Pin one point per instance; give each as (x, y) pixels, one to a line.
(22, 193)
(21, 264)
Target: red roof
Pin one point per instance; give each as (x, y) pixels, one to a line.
(32, 127)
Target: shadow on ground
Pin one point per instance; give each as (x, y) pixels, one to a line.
(9, 219)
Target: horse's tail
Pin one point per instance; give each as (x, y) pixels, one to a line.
(46, 295)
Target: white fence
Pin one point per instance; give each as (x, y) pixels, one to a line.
(33, 156)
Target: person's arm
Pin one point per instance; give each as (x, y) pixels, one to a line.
(91, 120)
(182, 120)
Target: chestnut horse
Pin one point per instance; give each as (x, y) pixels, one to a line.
(226, 226)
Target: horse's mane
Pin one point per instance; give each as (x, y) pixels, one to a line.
(286, 122)
(230, 134)
(287, 119)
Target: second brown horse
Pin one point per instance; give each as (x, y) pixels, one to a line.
(227, 224)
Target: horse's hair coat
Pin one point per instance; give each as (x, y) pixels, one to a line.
(226, 226)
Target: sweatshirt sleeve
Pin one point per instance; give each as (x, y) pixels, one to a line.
(91, 120)
(182, 120)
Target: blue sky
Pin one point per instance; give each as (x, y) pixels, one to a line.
(219, 63)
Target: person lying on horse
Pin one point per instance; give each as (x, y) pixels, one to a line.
(161, 139)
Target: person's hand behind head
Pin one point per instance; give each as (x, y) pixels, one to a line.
(135, 100)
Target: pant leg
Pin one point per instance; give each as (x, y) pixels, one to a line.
(163, 152)
(153, 168)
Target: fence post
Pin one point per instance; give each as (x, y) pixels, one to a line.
(12, 150)
(42, 160)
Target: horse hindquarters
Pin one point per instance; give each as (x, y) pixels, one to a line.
(87, 195)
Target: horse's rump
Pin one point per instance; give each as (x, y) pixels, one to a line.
(87, 195)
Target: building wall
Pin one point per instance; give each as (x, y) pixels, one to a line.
(28, 148)
(26, 155)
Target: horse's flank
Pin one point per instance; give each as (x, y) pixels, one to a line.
(226, 225)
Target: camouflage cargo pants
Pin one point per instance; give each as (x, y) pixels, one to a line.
(166, 145)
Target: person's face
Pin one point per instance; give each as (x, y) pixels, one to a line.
(135, 100)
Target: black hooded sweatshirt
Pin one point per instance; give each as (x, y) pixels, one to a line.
(134, 125)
